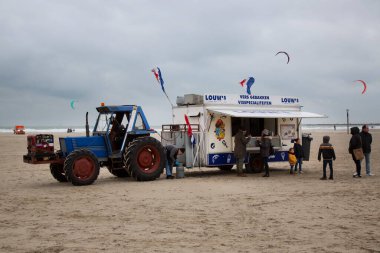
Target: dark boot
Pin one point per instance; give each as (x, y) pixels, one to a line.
(323, 178)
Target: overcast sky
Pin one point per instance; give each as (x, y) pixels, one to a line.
(103, 51)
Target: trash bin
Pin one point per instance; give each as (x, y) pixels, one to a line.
(306, 141)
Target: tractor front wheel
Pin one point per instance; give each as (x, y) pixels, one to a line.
(81, 167)
(56, 169)
(145, 158)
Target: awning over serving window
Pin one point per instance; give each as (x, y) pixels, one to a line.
(267, 113)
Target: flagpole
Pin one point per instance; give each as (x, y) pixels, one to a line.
(169, 100)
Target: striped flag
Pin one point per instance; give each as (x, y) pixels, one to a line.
(190, 131)
(157, 73)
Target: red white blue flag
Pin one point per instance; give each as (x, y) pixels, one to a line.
(157, 73)
(190, 131)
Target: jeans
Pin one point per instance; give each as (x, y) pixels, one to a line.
(239, 165)
(291, 169)
(367, 157)
(169, 169)
(266, 165)
(330, 163)
(299, 162)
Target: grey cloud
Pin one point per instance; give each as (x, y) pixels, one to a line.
(93, 51)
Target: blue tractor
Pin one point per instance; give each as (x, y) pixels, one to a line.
(120, 141)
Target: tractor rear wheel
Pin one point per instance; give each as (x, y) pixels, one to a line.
(145, 158)
(56, 169)
(81, 167)
(118, 172)
(226, 167)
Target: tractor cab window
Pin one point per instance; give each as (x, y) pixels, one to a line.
(103, 121)
(139, 124)
(125, 120)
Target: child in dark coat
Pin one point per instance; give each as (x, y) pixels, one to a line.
(326, 149)
(298, 151)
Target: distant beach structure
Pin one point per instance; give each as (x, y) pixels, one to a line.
(19, 129)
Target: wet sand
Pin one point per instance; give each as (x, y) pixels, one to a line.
(207, 211)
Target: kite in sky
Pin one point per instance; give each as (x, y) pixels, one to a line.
(72, 104)
(249, 84)
(364, 84)
(282, 52)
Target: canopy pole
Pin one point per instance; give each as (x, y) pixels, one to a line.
(298, 127)
(348, 121)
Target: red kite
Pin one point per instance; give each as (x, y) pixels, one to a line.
(364, 84)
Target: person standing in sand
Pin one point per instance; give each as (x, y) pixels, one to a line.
(265, 145)
(355, 143)
(240, 150)
(298, 150)
(328, 154)
(366, 142)
(292, 159)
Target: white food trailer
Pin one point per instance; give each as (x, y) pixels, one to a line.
(215, 119)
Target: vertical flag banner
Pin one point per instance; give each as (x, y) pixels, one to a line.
(190, 130)
(158, 75)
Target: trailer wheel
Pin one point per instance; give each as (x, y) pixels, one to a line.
(81, 167)
(56, 169)
(226, 167)
(118, 172)
(255, 164)
(145, 158)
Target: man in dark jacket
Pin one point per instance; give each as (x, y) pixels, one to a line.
(355, 143)
(240, 150)
(328, 154)
(366, 142)
(298, 151)
(171, 156)
(265, 145)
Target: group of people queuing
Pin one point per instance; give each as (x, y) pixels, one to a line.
(296, 153)
(359, 148)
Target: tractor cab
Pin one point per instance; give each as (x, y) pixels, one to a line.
(119, 125)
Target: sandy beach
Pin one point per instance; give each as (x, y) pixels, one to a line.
(207, 211)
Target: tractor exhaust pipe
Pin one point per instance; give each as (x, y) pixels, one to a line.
(87, 127)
